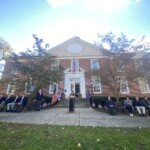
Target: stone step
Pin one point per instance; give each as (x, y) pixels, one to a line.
(79, 103)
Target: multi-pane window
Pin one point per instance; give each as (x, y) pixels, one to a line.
(120, 68)
(53, 87)
(2, 64)
(74, 65)
(55, 64)
(123, 84)
(11, 89)
(124, 87)
(94, 64)
(96, 85)
(144, 85)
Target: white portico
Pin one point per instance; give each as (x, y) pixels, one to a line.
(75, 55)
(75, 81)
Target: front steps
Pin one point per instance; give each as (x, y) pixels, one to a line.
(79, 103)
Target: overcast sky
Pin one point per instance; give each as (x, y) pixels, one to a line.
(58, 20)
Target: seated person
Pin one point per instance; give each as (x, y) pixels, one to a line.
(137, 105)
(11, 105)
(145, 102)
(128, 105)
(23, 103)
(110, 106)
(8, 100)
(109, 103)
(2, 100)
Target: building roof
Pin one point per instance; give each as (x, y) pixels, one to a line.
(75, 47)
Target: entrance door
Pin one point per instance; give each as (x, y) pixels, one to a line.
(75, 82)
(77, 88)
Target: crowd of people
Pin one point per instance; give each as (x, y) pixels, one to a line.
(139, 105)
(19, 102)
(13, 103)
(112, 106)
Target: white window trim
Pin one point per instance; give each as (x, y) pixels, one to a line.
(95, 60)
(127, 89)
(148, 88)
(8, 88)
(122, 69)
(50, 87)
(100, 85)
(53, 64)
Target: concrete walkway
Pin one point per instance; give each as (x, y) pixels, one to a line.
(81, 117)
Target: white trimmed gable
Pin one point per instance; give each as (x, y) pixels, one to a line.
(85, 49)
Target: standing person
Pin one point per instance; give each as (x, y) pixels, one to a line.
(38, 100)
(71, 101)
(88, 96)
(128, 105)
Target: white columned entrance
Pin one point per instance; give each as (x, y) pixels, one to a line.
(75, 81)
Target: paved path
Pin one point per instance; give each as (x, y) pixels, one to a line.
(82, 117)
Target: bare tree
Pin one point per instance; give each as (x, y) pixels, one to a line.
(34, 67)
(5, 52)
(117, 71)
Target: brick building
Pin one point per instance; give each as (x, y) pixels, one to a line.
(78, 56)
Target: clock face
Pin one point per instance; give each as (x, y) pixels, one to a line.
(74, 48)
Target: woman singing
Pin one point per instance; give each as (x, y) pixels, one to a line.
(71, 101)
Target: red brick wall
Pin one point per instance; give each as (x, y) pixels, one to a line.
(85, 64)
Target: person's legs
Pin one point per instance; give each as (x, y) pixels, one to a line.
(9, 106)
(14, 107)
(138, 109)
(38, 105)
(143, 110)
(130, 110)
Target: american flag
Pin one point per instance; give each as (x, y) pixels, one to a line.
(54, 99)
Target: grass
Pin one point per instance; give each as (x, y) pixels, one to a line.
(46, 137)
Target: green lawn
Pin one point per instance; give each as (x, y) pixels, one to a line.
(48, 137)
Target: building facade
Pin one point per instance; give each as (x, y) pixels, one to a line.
(76, 57)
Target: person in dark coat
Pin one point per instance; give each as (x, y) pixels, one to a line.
(138, 106)
(71, 101)
(23, 103)
(145, 102)
(2, 100)
(88, 95)
(38, 100)
(110, 106)
(8, 99)
(12, 103)
(128, 105)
